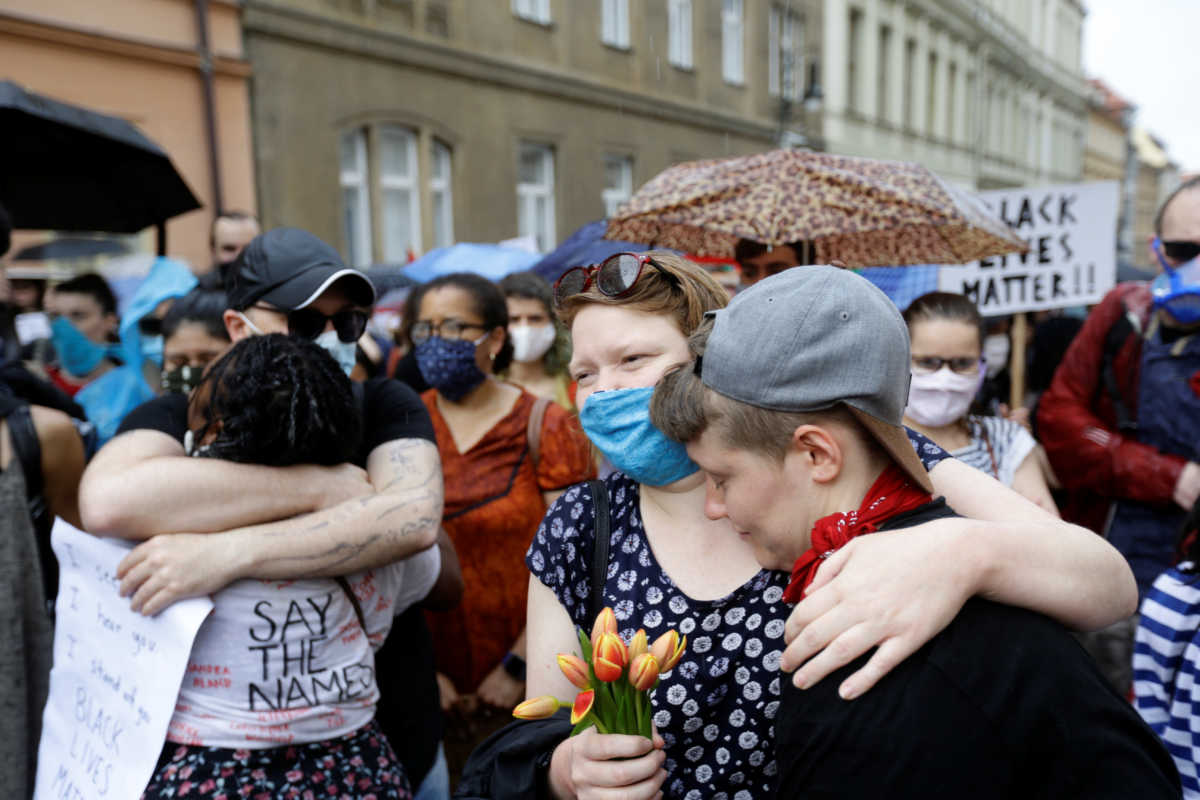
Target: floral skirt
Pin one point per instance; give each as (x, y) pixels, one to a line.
(358, 766)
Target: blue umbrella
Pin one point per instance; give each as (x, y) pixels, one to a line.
(585, 246)
(489, 260)
(903, 284)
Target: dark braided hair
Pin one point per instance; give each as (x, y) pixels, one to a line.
(278, 400)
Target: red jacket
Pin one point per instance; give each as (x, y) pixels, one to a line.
(1076, 420)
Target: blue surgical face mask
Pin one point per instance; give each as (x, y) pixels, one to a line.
(342, 352)
(77, 354)
(152, 348)
(618, 423)
(448, 365)
(1177, 289)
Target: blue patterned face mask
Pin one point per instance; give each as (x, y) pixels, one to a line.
(618, 423)
(448, 365)
(77, 354)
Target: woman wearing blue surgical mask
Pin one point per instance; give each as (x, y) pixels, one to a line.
(946, 332)
(496, 488)
(83, 331)
(671, 567)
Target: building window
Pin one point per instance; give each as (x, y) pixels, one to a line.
(614, 22)
(381, 163)
(618, 182)
(732, 42)
(952, 103)
(356, 202)
(532, 10)
(882, 69)
(535, 194)
(910, 70)
(398, 190)
(931, 97)
(853, 91)
(785, 59)
(439, 193)
(679, 33)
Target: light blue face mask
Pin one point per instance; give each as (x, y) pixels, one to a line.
(343, 352)
(77, 354)
(618, 423)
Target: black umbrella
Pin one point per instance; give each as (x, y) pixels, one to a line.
(389, 277)
(69, 247)
(65, 168)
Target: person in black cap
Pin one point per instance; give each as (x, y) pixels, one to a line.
(248, 520)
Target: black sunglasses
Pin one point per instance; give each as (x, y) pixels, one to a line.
(1181, 251)
(615, 276)
(308, 323)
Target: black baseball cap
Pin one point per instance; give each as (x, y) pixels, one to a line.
(290, 268)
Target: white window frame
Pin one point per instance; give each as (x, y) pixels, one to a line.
(441, 174)
(614, 196)
(357, 229)
(679, 33)
(785, 37)
(614, 23)
(532, 10)
(529, 222)
(396, 182)
(733, 42)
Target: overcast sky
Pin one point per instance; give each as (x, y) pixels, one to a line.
(1146, 50)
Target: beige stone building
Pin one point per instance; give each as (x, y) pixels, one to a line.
(1154, 176)
(395, 126)
(148, 61)
(1108, 155)
(987, 93)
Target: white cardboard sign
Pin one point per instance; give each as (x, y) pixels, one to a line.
(115, 678)
(1072, 261)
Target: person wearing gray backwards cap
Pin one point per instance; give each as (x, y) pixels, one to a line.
(229, 521)
(793, 408)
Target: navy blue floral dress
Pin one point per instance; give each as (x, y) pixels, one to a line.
(716, 709)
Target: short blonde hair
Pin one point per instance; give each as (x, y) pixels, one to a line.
(685, 296)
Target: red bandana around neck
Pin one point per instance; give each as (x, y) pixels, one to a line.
(893, 493)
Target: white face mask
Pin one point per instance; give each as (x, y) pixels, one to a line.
(995, 352)
(940, 398)
(530, 342)
(343, 352)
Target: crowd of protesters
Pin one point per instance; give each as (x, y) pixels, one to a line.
(433, 490)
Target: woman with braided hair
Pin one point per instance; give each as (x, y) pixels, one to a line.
(280, 692)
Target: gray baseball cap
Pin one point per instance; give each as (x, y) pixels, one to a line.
(809, 338)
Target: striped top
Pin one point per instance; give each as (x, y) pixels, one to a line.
(998, 446)
(1166, 662)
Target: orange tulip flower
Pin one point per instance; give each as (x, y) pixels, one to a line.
(582, 705)
(606, 670)
(668, 649)
(611, 648)
(639, 645)
(606, 622)
(643, 672)
(574, 668)
(537, 708)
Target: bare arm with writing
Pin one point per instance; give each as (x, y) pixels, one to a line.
(400, 518)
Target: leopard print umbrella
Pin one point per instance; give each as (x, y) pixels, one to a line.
(860, 211)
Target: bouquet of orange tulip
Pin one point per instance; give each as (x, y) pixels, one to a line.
(614, 677)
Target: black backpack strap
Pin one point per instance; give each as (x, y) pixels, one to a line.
(28, 450)
(1116, 338)
(602, 533)
(358, 612)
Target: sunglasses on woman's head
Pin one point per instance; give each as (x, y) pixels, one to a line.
(308, 323)
(615, 276)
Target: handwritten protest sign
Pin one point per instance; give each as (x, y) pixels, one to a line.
(1071, 231)
(115, 678)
